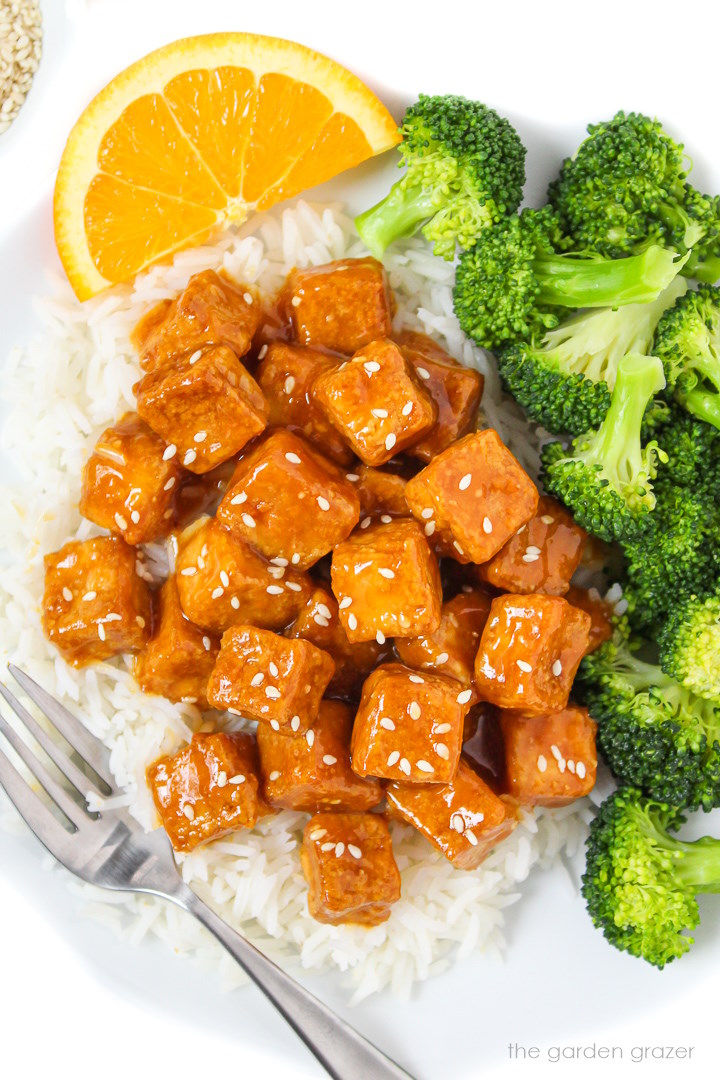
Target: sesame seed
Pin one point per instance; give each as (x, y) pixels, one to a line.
(352, 477)
(258, 680)
(293, 586)
(325, 611)
(120, 522)
(530, 558)
(407, 408)
(275, 590)
(414, 710)
(390, 441)
(279, 561)
(275, 725)
(207, 643)
(423, 372)
(200, 436)
(273, 669)
(442, 729)
(465, 482)
(239, 778)
(296, 301)
(317, 834)
(201, 562)
(354, 851)
(189, 457)
(555, 752)
(458, 548)
(405, 766)
(561, 765)
(294, 459)
(170, 484)
(345, 602)
(442, 658)
(169, 452)
(328, 759)
(524, 666)
(237, 500)
(380, 637)
(339, 849)
(295, 723)
(417, 679)
(327, 847)
(101, 631)
(384, 572)
(248, 298)
(217, 593)
(90, 595)
(352, 621)
(430, 528)
(457, 822)
(274, 775)
(487, 526)
(221, 778)
(427, 512)
(557, 668)
(580, 769)
(263, 352)
(471, 837)
(113, 616)
(541, 763)
(424, 766)
(393, 757)
(272, 692)
(571, 766)
(140, 621)
(442, 751)
(249, 521)
(309, 736)
(289, 384)
(387, 723)
(323, 503)
(547, 519)
(381, 414)
(365, 522)
(385, 518)
(224, 578)
(277, 572)
(295, 559)
(464, 697)
(371, 366)
(188, 812)
(235, 602)
(135, 517)
(67, 594)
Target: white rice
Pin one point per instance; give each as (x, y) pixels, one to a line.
(65, 387)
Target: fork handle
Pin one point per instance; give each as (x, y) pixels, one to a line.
(341, 1050)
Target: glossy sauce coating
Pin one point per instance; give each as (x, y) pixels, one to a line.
(551, 759)
(600, 612)
(380, 492)
(451, 649)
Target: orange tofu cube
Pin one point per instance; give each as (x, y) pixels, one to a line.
(340, 306)
(451, 649)
(387, 582)
(212, 310)
(474, 496)
(380, 492)
(222, 581)
(209, 788)
(270, 679)
(207, 406)
(319, 622)
(95, 603)
(312, 771)
(128, 486)
(550, 759)
(288, 502)
(348, 863)
(529, 652)
(177, 661)
(600, 611)
(409, 726)
(376, 402)
(541, 557)
(464, 819)
(285, 376)
(455, 389)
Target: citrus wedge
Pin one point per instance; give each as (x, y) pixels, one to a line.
(201, 132)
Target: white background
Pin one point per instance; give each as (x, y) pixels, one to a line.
(75, 1001)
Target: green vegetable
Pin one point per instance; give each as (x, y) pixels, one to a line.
(640, 883)
(465, 171)
(687, 340)
(690, 643)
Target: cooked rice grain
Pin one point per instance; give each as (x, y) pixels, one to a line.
(20, 51)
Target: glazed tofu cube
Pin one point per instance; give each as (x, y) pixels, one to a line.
(541, 557)
(387, 582)
(348, 863)
(550, 759)
(177, 661)
(483, 747)
(409, 726)
(222, 581)
(312, 771)
(288, 502)
(209, 788)
(473, 497)
(286, 375)
(270, 679)
(95, 603)
(455, 389)
(600, 611)
(206, 406)
(376, 402)
(451, 649)
(380, 492)
(319, 622)
(340, 306)
(128, 486)
(464, 819)
(529, 652)
(213, 310)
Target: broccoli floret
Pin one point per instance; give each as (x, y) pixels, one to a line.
(640, 883)
(518, 277)
(605, 476)
(687, 340)
(565, 381)
(465, 171)
(653, 733)
(626, 186)
(690, 643)
(693, 452)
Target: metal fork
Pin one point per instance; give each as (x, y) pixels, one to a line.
(112, 850)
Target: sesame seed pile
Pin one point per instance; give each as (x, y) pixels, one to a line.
(20, 51)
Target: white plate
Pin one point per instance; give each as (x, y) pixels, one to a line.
(561, 983)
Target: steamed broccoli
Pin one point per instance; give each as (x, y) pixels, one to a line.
(652, 732)
(626, 186)
(465, 171)
(565, 381)
(693, 452)
(687, 340)
(640, 883)
(690, 643)
(604, 478)
(518, 277)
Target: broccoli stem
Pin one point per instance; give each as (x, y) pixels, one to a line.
(401, 213)
(706, 270)
(695, 863)
(577, 283)
(703, 404)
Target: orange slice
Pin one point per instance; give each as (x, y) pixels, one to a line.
(201, 132)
